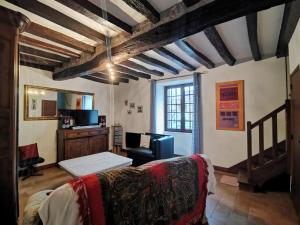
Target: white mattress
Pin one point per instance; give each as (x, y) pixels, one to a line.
(96, 163)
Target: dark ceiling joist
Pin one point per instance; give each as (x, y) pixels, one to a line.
(145, 8)
(106, 77)
(289, 22)
(95, 13)
(38, 60)
(60, 38)
(195, 54)
(59, 18)
(37, 66)
(158, 64)
(135, 66)
(190, 23)
(252, 34)
(189, 3)
(174, 58)
(99, 80)
(216, 40)
(122, 69)
(37, 52)
(47, 46)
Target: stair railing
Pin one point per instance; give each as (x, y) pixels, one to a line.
(260, 123)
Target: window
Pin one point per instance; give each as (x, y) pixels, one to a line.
(179, 108)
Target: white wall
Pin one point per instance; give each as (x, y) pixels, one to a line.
(264, 91)
(294, 49)
(44, 132)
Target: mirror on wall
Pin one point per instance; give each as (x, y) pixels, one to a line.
(42, 103)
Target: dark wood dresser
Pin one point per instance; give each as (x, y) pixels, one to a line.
(77, 143)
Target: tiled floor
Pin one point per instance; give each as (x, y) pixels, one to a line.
(229, 206)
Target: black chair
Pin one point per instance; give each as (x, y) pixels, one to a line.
(161, 147)
(28, 157)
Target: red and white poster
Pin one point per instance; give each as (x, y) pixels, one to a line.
(230, 105)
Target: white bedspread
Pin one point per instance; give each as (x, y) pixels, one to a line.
(211, 185)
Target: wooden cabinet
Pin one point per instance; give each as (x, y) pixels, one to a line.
(77, 143)
(11, 24)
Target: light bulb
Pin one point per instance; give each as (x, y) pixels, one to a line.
(109, 66)
(112, 77)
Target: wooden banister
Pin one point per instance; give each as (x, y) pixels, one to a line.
(274, 136)
(249, 148)
(261, 144)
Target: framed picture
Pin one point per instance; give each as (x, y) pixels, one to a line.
(126, 102)
(129, 111)
(132, 105)
(230, 106)
(140, 109)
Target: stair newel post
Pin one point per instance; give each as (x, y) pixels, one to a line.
(261, 143)
(275, 136)
(249, 148)
(288, 131)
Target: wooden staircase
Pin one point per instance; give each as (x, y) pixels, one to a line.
(268, 163)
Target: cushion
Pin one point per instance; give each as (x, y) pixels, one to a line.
(145, 141)
(140, 152)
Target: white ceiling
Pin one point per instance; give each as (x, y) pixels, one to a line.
(234, 33)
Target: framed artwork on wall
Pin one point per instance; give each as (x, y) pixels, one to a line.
(230, 113)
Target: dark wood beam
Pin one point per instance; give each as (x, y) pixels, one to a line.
(168, 32)
(189, 3)
(289, 22)
(216, 40)
(145, 8)
(95, 13)
(37, 66)
(252, 34)
(58, 37)
(158, 64)
(174, 58)
(38, 60)
(47, 46)
(103, 81)
(107, 77)
(59, 18)
(195, 54)
(125, 70)
(122, 75)
(37, 52)
(133, 65)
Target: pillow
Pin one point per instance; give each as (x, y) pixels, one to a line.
(145, 141)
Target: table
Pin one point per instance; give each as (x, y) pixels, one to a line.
(95, 163)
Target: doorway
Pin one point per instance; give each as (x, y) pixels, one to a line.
(295, 137)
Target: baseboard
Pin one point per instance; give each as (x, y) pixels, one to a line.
(226, 170)
(38, 168)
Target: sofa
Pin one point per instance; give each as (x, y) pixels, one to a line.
(172, 191)
(161, 147)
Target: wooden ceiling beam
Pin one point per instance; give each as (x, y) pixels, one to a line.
(37, 66)
(125, 70)
(174, 58)
(95, 13)
(190, 3)
(39, 60)
(59, 18)
(133, 65)
(216, 40)
(58, 37)
(170, 30)
(37, 52)
(195, 54)
(158, 64)
(107, 77)
(99, 80)
(145, 8)
(289, 22)
(47, 46)
(252, 35)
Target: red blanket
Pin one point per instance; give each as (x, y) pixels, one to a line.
(162, 192)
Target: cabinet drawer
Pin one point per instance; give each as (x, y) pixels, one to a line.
(77, 134)
(94, 133)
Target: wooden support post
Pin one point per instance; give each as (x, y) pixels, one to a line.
(261, 144)
(249, 148)
(275, 136)
(288, 133)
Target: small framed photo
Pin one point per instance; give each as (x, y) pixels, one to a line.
(129, 112)
(126, 102)
(140, 109)
(132, 105)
